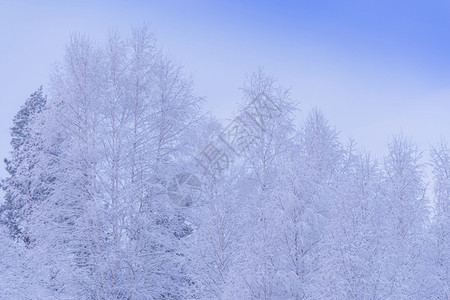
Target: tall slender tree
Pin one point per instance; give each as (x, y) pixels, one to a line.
(407, 216)
(440, 229)
(268, 117)
(310, 182)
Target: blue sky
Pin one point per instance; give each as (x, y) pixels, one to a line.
(374, 67)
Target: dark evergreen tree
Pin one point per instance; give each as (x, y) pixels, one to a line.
(19, 187)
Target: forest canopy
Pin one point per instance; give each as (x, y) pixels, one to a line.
(120, 186)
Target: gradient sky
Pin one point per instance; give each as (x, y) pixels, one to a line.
(373, 67)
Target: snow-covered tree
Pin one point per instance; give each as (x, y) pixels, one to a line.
(308, 179)
(407, 216)
(214, 245)
(351, 251)
(267, 115)
(440, 229)
(23, 185)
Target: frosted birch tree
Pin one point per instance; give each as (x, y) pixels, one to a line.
(350, 255)
(407, 216)
(269, 119)
(309, 178)
(440, 228)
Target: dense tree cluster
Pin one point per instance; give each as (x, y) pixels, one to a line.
(297, 214)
